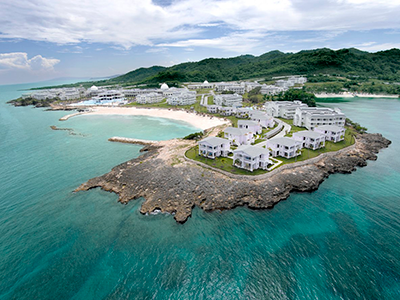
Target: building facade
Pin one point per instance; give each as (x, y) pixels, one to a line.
(213, 147)
(284, 147)
(251, 158)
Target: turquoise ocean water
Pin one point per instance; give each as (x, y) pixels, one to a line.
(340, 242)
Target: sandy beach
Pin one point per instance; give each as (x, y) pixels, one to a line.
(201, 122)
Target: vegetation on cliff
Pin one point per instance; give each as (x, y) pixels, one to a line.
(32, 101)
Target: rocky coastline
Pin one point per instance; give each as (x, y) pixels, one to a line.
(172, 183)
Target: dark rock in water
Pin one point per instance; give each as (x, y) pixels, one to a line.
(173, 184)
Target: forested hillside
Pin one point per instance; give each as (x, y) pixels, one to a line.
(383, 65)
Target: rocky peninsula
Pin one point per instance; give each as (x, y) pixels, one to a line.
(172, 183)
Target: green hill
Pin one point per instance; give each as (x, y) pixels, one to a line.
(138, 74)
(383, 65)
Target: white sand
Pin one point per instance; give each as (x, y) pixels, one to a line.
(201, 122)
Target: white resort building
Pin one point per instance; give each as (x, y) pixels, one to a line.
(284, 147)
(311, 117)
(263, 119)
(271, 89)
(243, 112)
(310, 139)
(204, 85)
(185, 98)
(226, 110)
(249, 125)
(109, 97)
(213, 147)
(213, 109)
(283, 109)
(251, 158)
(149, 98)
(332, 133)
(237, 136)
(233, 100)
(230, 87)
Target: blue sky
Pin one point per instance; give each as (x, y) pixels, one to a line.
(45, 39)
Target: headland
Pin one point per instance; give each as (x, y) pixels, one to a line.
(172, 183)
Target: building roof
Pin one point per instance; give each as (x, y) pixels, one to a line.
(308, 133)
(247, 122)
(261, 116)
(252, 151)
(285, 141)
(235, 131)
(329, 128)
(164, 86)
(214, 141)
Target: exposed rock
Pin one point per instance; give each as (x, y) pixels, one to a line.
(171, 183)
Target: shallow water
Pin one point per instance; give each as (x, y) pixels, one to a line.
(340, 242)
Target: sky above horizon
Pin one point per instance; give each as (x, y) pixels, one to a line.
(43, 39)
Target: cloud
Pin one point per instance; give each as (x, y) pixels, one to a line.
(374, 47)
(20, 61)
(235, 42)
(191, 22)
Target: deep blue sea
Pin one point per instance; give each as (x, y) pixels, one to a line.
(340, 242)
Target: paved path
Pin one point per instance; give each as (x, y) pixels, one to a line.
(286, 128)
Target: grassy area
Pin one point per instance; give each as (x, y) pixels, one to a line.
(222, 163)
(265, 130)
(203, 91)
(225, 164)
(329, 147)
(233, 119)
(293, 128)
(210, 100)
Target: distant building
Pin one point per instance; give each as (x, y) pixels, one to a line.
(233, 100)
(213, 109)
(230, 87)
(283, 109)
(149, 98)
(108, 97)
(185, 98)
(238, 136)
(271, 89)
(310, 139)
(253, 126)
(213, 147)
(332, 133)
(251, 158)
(204, 85)
(226, 110)
(263, 119)
(311, 117)
(284, 147)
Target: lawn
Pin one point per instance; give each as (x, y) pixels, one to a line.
(222, 163)
(203, 91)
(225, 164)
(329, 147)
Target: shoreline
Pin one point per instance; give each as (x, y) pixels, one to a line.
(171, 183)
(202, 122)
(354, 95)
